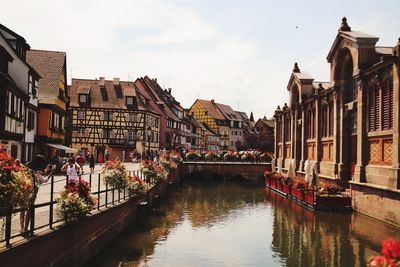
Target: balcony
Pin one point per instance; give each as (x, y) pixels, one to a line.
(126, 142)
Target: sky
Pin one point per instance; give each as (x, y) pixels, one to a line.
(239, 53)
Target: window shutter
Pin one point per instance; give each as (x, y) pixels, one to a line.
(373, 109)
(387, 106)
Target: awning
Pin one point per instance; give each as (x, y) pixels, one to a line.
(65, 148)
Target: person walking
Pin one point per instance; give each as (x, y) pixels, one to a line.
(42, 173)
(81, 161)
(91, 163)
(72, 169)
(100, 158)
(107, 155)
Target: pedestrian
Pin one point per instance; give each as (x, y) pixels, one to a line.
(107, 155)
(157, 159)
(91, 163)
(72, 169)
(81, 161)
(42, 173)
(100, 158)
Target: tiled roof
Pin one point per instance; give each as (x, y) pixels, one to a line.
(212, 109)
(228, 112)
(269, 123)
(96, 99)
(49, 65)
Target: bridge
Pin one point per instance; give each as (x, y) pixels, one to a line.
(225, 170)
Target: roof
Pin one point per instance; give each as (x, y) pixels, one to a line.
(208, 130)
(212, 109)
(111, 101)
(228, 112)
(325, 85)
(49, 65)
(384, 50)
(267, 122)
(303, 75)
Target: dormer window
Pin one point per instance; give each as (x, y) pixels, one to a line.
(129, 100)
(83, 98)
(84, 95)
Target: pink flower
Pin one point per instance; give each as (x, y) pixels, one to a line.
(378, 261)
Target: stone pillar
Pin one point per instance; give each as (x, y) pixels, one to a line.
(283, 139)
(318, 154)
(340, 136)
(293, 131)
(362, 136)
(336, 130)
(396, 122)
(303, 139)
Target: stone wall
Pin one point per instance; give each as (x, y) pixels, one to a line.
(376, 202)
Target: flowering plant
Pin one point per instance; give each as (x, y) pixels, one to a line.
(75, 201)
(16, 184)
(167, 164)
(147, 167)
(231, 156)
(301, 184)
(265, 157)
(192, 155)
(159, 173)
(390, 254)
(329, 189)
(174, 156)
(135, 186)
(248, 157)
(114, 173)
(211, 156)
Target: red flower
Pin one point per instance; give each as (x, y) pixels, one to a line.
(391, 248)
(378, 261)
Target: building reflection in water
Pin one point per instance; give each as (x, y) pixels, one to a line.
(265, 229)
(305, 238)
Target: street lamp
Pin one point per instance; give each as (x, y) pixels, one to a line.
(148, 137)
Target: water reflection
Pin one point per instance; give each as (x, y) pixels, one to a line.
(238, 224)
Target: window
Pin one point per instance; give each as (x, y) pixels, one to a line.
(31, 121)
(131, 135)
(83, 98)
(107, 133)
(311, 124)
(130, 101)
(108, 115)
(81, 132)
(288, 129)
(81, 115)
(132, 117)
(380, 115)
(327, 120)
(33, 86)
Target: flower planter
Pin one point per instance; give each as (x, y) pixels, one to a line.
(333, 201)
(286, 189)
(309, 198)
(299, 194)
(273, 183)
(268, 181)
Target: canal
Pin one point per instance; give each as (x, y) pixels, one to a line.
(241, 224)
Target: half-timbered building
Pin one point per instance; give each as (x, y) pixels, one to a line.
(349, 125)
(112, 115)
(18, 96)
(52, 95)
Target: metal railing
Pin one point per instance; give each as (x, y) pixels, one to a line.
(42, 214)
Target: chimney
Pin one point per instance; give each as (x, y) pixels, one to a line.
(116, 81)
(169, 90)
(102, 81)
(155, 80)
(212, 101)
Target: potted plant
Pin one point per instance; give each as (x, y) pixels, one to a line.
(135, 186)
(114, 174)
(287, 185)
(75, 201)
(332, 195)
(231, 156)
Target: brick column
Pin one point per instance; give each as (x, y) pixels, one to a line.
(362, 137)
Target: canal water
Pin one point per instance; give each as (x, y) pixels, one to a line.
(242, 224)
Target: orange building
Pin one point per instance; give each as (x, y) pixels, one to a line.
(52, 66)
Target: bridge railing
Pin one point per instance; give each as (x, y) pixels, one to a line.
(43, 214)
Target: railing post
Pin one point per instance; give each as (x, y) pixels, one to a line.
(90, 181)
(67, 180)
(51, 202)
(32, 216)
(8, 226)
(98, 192)
(106, 194)
(112, 195)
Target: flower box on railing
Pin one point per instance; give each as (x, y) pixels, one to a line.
(286, 189)
(298, 194)
(309, 197)
(268, 181)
